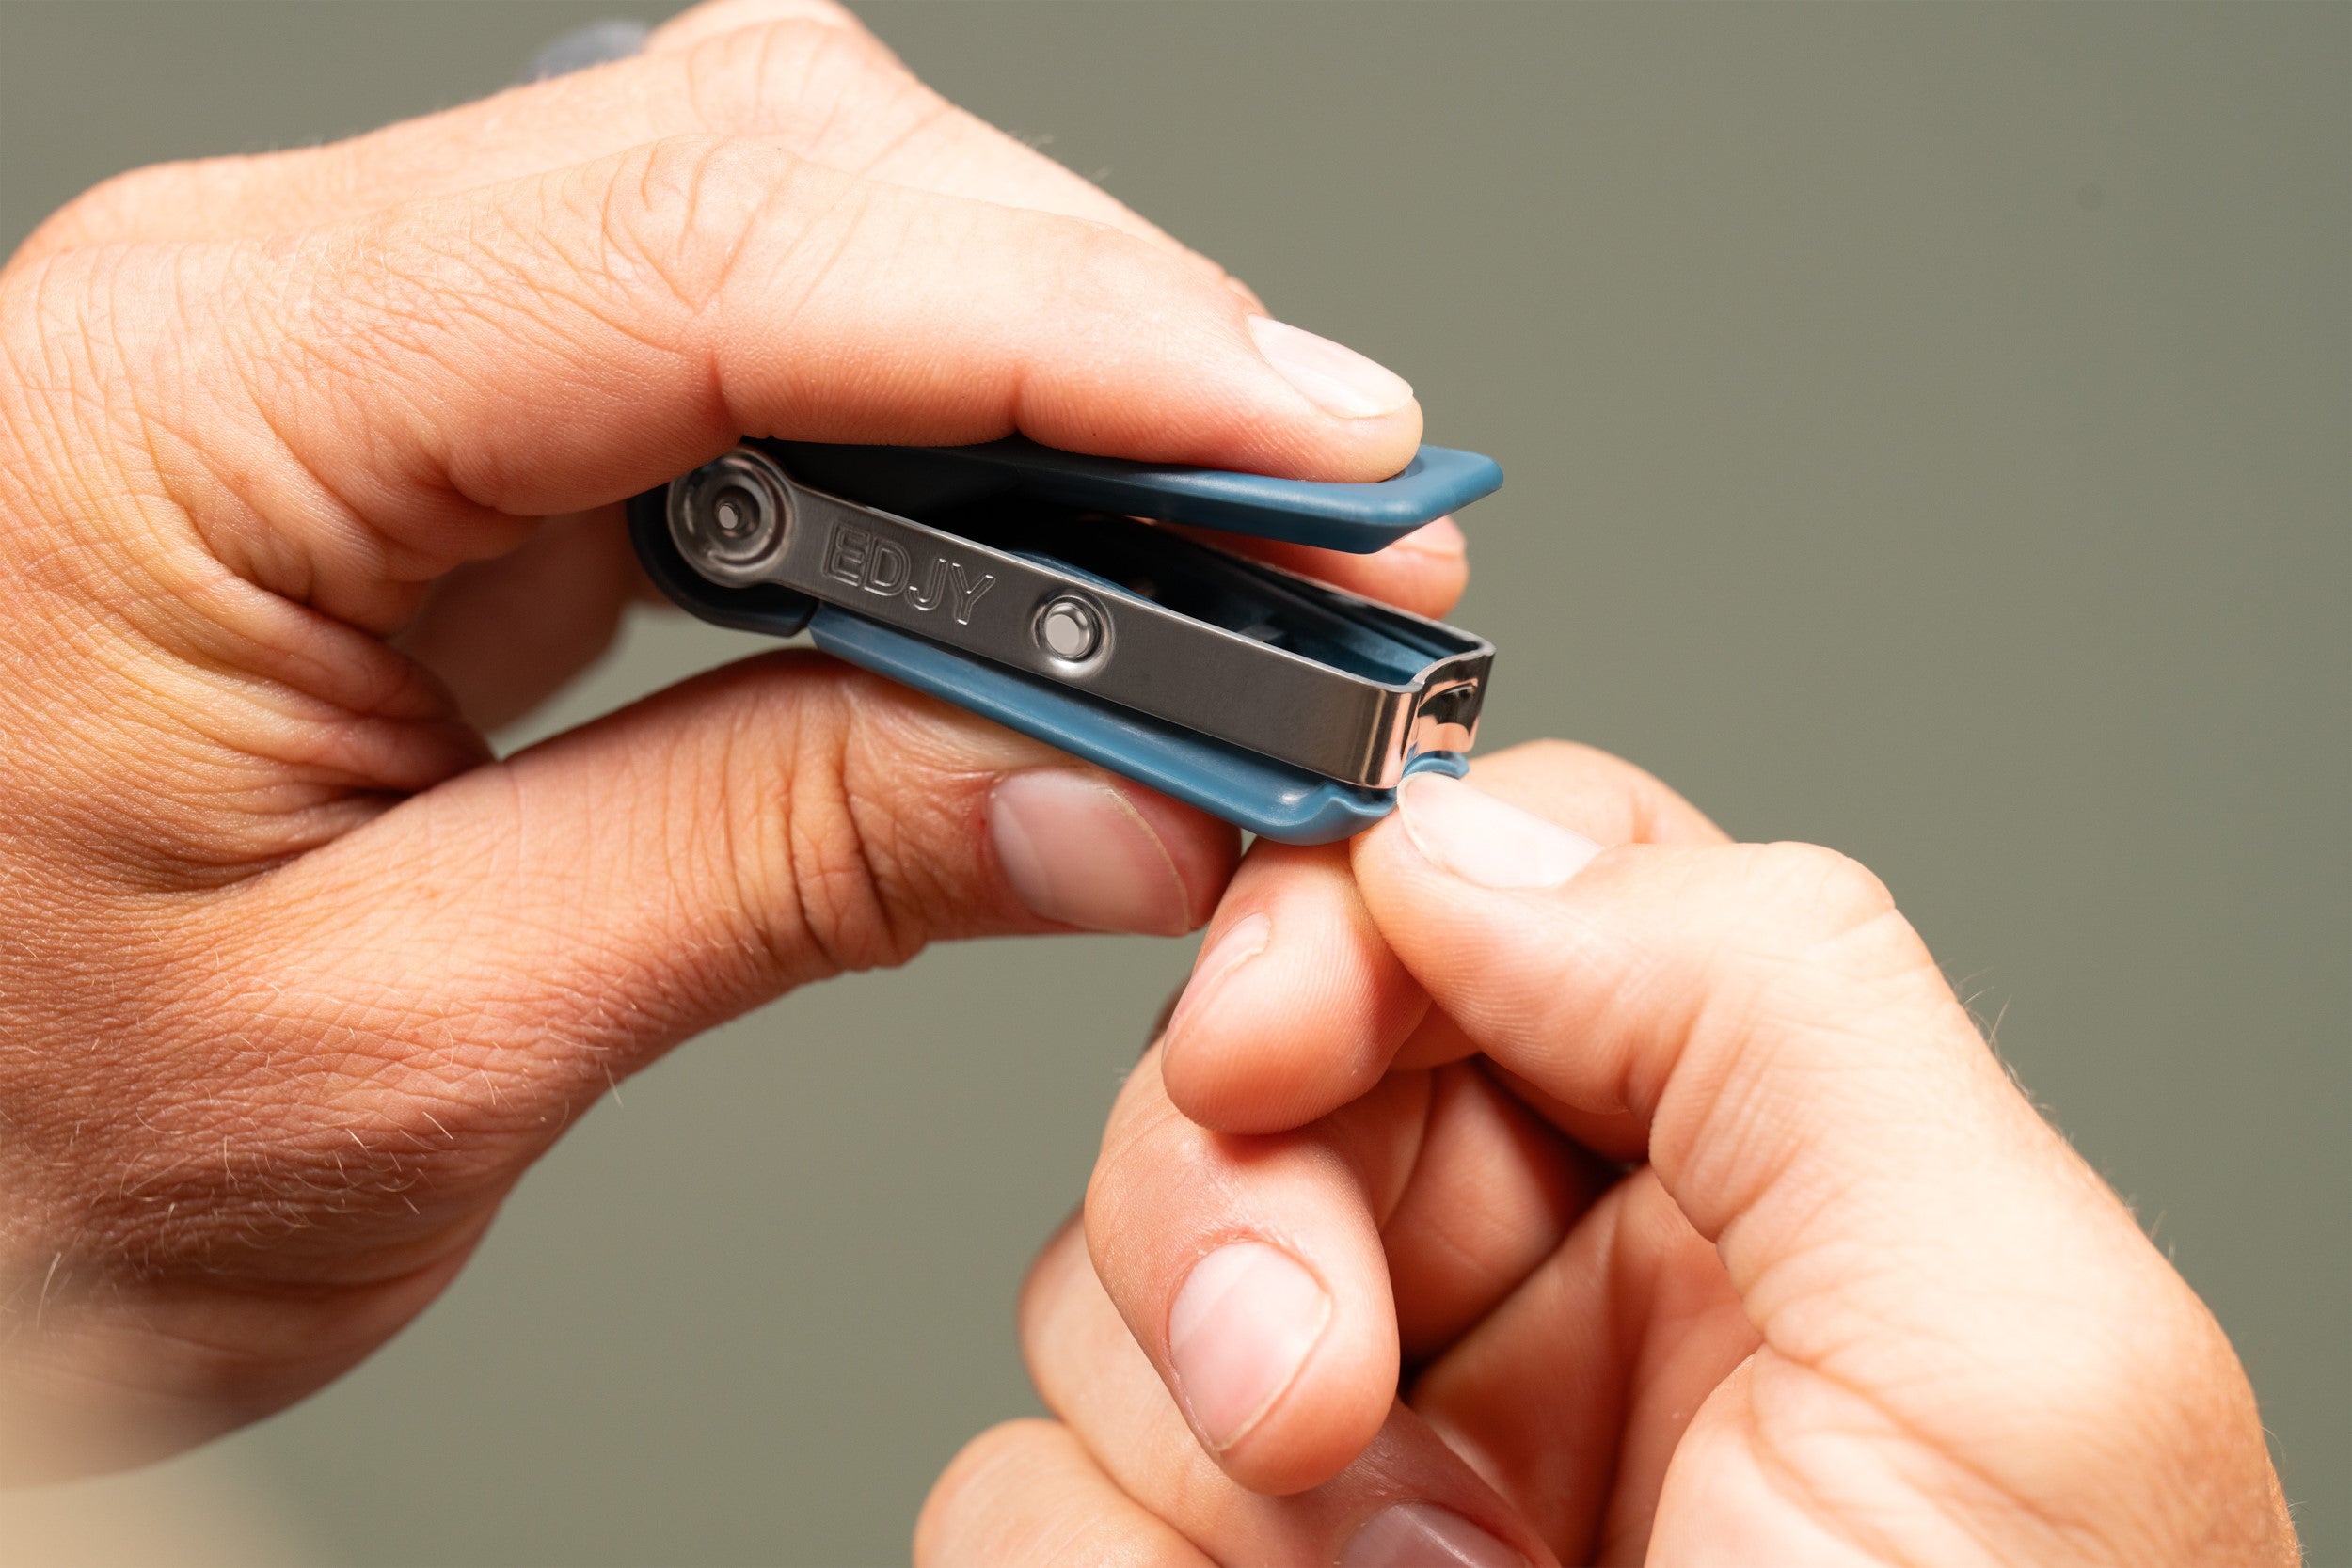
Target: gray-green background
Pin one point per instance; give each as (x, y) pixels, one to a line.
(1928, 434)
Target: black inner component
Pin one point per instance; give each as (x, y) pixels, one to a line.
(1224, 591)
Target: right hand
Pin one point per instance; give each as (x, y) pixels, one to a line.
(308, 466)
(1684, 1195)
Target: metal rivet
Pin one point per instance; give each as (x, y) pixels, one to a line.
(730, 518)
(1070, 629)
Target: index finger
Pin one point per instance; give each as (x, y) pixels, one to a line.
(569, 340)
(1296, 1005)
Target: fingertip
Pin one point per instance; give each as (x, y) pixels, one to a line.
(1440, 540)
(1282, 1377)
(1202, 850)
(1081, 848)
(1296, 1004)
(1205, 383)
(1335, 378)
(1251, 1272)
(1426, 572)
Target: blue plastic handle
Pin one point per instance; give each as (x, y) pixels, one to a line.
(918, 482)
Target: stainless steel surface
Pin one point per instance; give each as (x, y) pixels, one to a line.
(743, 519)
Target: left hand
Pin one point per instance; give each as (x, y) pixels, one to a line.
(308, 474)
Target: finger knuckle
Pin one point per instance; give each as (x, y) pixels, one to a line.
(678, 212)
(1809, 911)
(1832, 889)
(820, 872)
(1148, 1144)
(791, 846)
(791, 74)
(1803, 951)
(1105, 268)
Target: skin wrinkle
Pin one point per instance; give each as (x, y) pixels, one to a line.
(1730, 1006)
(22, 434)
(836, 109)
(1754, 1203)
(924, 121)
(376, 693)
(846, 214)
(736, 411)
(285, 559)
(671, 178)
(354, 300)
(1817, 1510)
(1398, 1157)
(91, 494)
(1690, 1306)
(1459, 1089)
(205, 840)
(224, 662)
(328, 517)
(1794, 1479)
(889, 881)
(1692, 1117)
(1626, 1331)
(326, 513)
(608, 321)
(826, 877)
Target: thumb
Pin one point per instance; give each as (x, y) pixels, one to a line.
(504, 947)
(1921, 1253)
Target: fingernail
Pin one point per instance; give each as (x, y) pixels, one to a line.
(1241, 1328)
(1423, 1535)
(1333, 377)
(1240, 942)
(1486, 841)
(1076, 850)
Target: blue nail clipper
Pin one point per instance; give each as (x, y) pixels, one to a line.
(1030, 591)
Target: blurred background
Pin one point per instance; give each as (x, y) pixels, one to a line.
(1930, 433)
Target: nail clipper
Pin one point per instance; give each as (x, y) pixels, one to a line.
(1032, 586)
